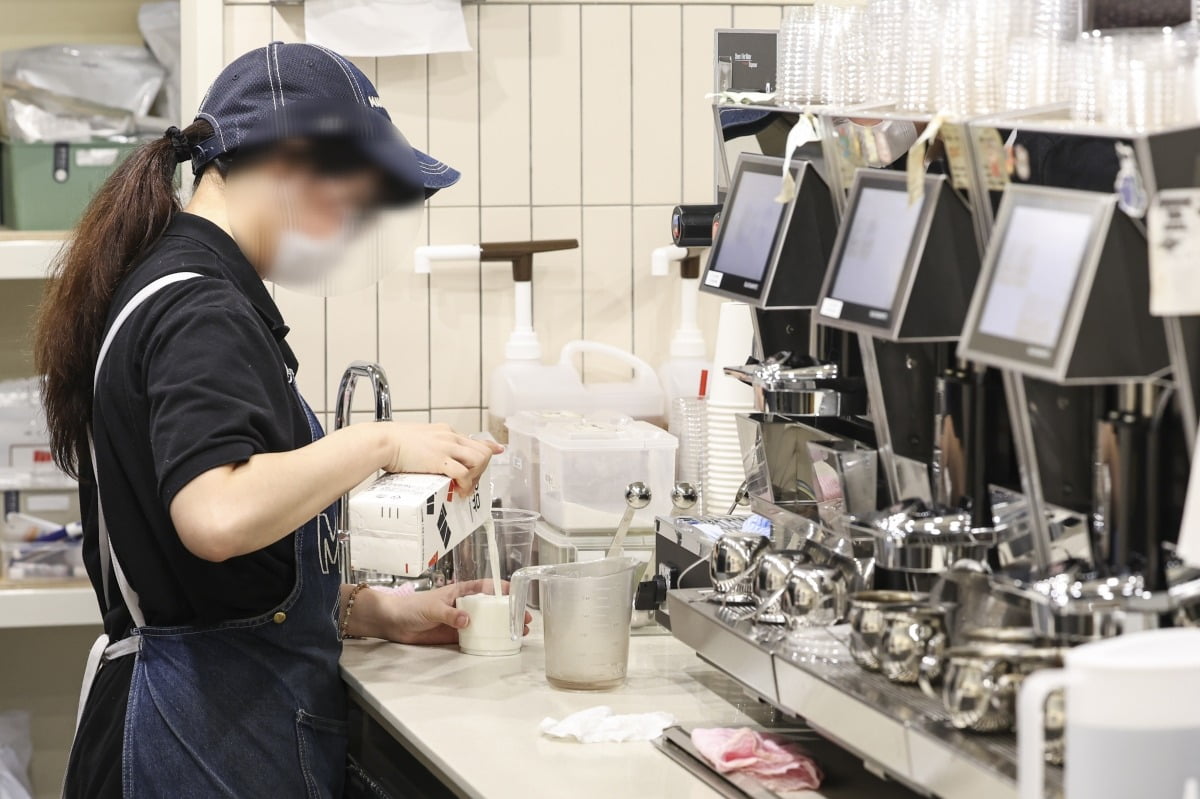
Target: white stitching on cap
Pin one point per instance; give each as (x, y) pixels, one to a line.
(279, 75)
(215, 124)
(337, 59)
(270, 80)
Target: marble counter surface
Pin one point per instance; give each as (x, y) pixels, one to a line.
(474, 721)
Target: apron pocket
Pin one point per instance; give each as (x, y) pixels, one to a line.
(322, 747)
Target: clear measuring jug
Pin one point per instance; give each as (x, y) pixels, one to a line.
(586, 609)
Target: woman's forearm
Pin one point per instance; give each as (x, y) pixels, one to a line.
(241, 508)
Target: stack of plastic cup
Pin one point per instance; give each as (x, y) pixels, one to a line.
(922, 38)
(688, 421)
(798, 56)
(885, 43)
(727, 397)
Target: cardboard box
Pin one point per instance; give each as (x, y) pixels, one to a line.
(403, 523)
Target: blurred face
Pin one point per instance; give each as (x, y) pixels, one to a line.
(293, 198)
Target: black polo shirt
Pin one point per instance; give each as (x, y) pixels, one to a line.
(199, 377)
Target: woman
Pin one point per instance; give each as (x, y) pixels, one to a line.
(205, 480)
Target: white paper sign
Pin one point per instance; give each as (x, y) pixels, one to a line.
(386, 27)
(1173, 230)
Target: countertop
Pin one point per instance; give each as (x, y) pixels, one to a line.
(474, 720)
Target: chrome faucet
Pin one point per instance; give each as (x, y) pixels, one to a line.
(341, 418)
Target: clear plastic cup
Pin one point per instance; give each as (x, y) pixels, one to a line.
(515, 532)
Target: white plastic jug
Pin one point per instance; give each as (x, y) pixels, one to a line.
(1132, 718)
(524, 385)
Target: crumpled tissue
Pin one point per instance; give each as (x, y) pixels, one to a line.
(600, 725)
(778, 765)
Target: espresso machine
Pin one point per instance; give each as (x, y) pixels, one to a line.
(1013, 485)
(1101, 393)
(772, 256)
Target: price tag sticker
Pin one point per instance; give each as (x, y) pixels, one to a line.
(1173, 231)
(831, 307)
(993, 157)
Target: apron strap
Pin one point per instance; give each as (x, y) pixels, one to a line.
(102, 650)
(108, 556)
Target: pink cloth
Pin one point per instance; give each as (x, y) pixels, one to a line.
(778, 764)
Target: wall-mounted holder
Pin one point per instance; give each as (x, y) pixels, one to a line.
(522, 342)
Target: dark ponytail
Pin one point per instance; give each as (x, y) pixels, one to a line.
(124, 219)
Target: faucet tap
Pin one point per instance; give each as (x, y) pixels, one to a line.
(341, 418)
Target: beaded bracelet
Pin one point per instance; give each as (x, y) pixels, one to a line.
(349, 609)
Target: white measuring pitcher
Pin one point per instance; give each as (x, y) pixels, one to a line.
(586, 610)
(1132, 719)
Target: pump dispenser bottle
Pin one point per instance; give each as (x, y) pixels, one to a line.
(523, 382)
(686, 370)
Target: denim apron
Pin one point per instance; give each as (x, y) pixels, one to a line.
(247, 708)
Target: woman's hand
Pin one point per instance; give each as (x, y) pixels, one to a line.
(437, 449)
(427, 617)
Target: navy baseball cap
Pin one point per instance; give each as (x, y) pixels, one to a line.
(304, 90)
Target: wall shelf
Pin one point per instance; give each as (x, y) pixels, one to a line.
(26, 254)
(55, 605)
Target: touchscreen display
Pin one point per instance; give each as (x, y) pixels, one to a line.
(876, 248)
(748, 227)
(1035, 274)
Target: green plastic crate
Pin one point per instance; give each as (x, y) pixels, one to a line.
(46, 186)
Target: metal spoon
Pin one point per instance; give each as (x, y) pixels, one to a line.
(637, 496)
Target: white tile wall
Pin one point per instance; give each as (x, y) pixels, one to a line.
(568, 120)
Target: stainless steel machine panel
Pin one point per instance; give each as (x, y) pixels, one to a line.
(731, 648)
(895, 729)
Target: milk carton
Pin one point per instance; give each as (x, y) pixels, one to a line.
(402, 523)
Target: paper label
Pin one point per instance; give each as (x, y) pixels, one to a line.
(993, 157)
(803, 132)
(96, 156)
(713, 279)
(831, 307)
(915, 165)
(1173, 230)
(956, 155)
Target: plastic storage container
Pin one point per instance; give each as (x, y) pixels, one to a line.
(585, 467)
(28, 562)
(556, 547)
(42, 492)
(45, 185)
(524, 456)
(551, 547)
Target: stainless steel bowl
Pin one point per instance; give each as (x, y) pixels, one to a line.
(981, 683)
(914, 537)
(815, 596)
(909, 635)
(865, 615)
(771, 578)
(731, 565)
(1071, 611)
